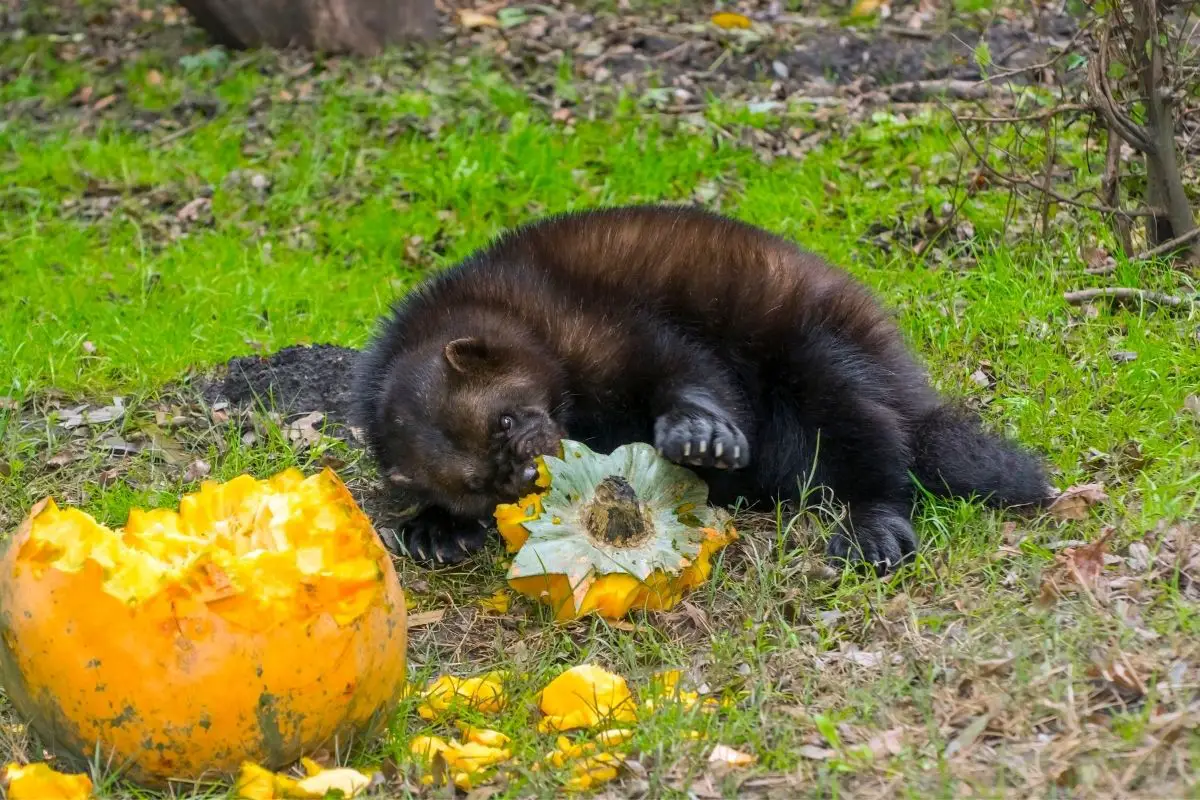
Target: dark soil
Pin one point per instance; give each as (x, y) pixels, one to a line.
(295, 380)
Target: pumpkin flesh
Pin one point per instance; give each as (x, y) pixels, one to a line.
(260, 622)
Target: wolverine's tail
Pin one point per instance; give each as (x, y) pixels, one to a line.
(955, 457)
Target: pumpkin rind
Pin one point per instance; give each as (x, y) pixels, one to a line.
(192, 674)
(576, 571)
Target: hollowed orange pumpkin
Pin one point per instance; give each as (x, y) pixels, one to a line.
(262, 621)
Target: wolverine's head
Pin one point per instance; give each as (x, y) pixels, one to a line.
(460, 423)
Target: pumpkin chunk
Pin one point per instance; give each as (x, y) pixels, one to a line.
(628, 530)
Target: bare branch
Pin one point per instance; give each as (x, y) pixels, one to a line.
(1015, 181)
(1107, 105)
(1065, 108)
(1167, 247)
(1123, 294)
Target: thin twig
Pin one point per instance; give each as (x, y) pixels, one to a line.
(1124, 294)
(1015, 181)
(184, 131)
(1065, 108)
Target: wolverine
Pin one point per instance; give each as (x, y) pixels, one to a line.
(735, 352)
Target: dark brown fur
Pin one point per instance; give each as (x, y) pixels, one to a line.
(732, 350)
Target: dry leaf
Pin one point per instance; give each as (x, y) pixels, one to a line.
(727, 20)
(1075, 501)
(1123, 672)
(969, 734)
(888, 743)
(154, 78)
(425, 618)
(473, 19)
(1192, 405)
(811, 751)
(304, 431)
(1076, 566)
(723, 754)
(1097, 261)
(196, 470)
(104, 102)
(60, 460)
(192, 210)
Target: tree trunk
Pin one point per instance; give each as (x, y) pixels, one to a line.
(1164, 181)
(361, 27)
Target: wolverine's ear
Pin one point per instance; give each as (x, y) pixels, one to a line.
(468, 355)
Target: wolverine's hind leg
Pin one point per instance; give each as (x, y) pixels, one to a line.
(857, 449)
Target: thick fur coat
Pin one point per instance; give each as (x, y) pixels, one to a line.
(735, 352)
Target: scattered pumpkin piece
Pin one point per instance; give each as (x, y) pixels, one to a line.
(594, 771)
(614, 737)
(469, 764)
(483, 693)
(728, 19)
(723, 754)
(320, 781)
(664, 689)
(40, 781)
(484, 736)
(498, 603)
(583, 697)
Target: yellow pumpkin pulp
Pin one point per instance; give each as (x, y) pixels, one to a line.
(261, 621)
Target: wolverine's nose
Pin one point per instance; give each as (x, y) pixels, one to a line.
(529, 474)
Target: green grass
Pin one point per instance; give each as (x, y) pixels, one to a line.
(371, 185)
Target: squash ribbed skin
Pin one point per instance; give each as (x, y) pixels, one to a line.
(169, 688)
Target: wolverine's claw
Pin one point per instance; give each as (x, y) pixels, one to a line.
(703, 446)
(687, 449)
(436, 538)
(737, 454)
(718, 449)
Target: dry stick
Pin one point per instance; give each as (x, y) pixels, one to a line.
(1083, 296)
(1041, 115)
(1167, 247)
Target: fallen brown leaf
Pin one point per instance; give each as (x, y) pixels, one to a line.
(469, 19)
(1191, 404)
(888, 743)
(814, 753)
(60, 460)
(196, 470)
(422, 618)
(1076, 500)
(1076, 567)
(193, 209)
(303, 431)
(154, 78)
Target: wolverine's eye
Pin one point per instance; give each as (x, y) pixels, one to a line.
(506, 422)
(474, 484)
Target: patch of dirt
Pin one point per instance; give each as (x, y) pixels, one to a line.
(672, 59)
(297, 379)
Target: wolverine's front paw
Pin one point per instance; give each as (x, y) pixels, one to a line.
(436, 537)
(878, 535)
(701, 437)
